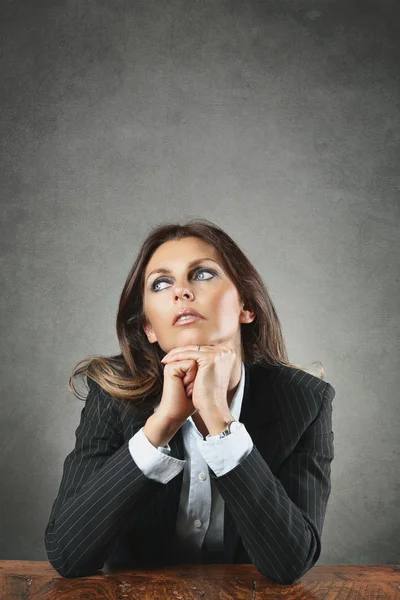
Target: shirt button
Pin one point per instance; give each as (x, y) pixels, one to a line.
(197, 523)
(202, 476)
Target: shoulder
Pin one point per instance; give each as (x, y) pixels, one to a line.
(288, 390)
(285, 376)
(99, 403)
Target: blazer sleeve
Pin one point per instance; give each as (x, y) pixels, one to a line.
(101, 487)
(280, 518)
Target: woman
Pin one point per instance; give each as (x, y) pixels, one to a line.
(200, 442)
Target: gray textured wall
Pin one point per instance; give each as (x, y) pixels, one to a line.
(280, 122)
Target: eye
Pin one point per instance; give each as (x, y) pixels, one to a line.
(200, 270)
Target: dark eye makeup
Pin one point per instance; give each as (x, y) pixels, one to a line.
(198, 270)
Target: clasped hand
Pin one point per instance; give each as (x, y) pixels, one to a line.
(205, 375)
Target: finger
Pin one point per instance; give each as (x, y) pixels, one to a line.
(190, 373)
(194, 354)
(182, 368)
(172, 352)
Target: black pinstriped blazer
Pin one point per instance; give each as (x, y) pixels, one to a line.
(107, 511)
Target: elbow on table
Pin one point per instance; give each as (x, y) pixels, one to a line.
(64, 562)
(68, 571)
(73, 574)
(285, 573)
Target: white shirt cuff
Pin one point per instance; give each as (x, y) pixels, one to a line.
(154, 462)
(224, 454)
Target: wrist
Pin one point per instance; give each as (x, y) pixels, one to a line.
(159, 430)
(216, 421)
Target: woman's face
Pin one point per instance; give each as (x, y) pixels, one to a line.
(203, 286)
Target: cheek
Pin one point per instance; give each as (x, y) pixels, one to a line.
(227, 306)
(153, 312)
(159, 320)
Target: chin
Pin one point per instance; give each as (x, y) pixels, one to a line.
(196, 336)
(192, 337)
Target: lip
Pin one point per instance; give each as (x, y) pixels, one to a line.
(187, 311)
(187, 321)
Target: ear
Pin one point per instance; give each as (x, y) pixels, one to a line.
(149, 331)
(246, 315)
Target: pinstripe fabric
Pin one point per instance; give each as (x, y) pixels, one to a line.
(108, 511)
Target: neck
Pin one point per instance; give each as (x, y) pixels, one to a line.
(234, 381)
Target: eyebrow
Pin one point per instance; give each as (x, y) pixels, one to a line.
(193, 262)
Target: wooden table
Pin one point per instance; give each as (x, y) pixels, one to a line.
(38, 580)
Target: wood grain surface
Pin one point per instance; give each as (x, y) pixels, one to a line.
(30, 580)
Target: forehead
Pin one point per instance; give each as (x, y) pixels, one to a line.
(181, 251)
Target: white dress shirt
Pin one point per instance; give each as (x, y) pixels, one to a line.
(200, 519)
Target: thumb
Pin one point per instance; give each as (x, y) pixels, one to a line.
(190, 374)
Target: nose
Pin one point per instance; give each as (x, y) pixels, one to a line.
(183, 292)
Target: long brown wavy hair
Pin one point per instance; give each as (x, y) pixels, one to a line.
(136, 374)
